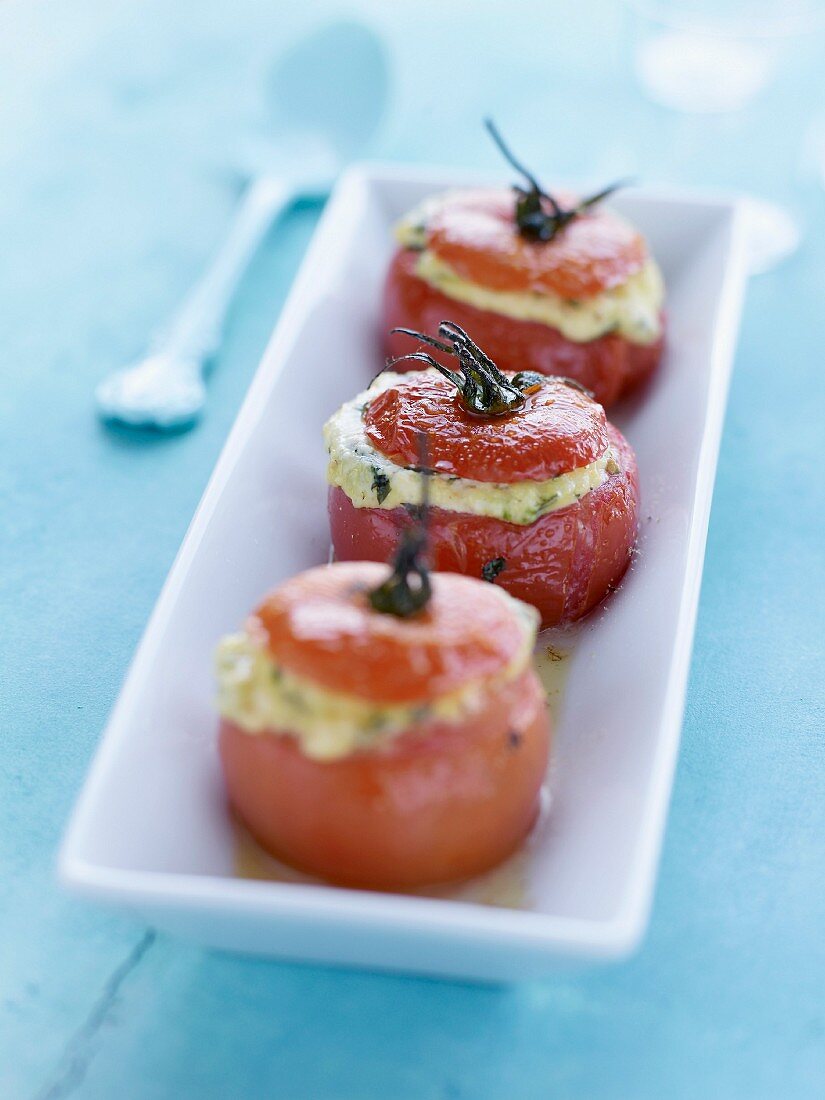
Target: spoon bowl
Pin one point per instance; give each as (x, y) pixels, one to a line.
(161, 391)
(333, 85)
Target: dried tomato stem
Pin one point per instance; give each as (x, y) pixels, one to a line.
(484, 390)
(397, 595)
(532, 218)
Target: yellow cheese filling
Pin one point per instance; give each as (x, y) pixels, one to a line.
(632, 309)
(371, 480)
(259, 696)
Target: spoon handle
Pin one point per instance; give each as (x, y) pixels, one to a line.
(195, 332)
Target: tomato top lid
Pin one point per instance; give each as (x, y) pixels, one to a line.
(475, 234)
(482, 423)
(529, 240)
(322, 626)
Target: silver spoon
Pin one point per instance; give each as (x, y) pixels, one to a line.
(327, 97)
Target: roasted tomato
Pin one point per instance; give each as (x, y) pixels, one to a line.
(407, 750)
(564, 563)
(610, 365)
(542, 500)
(547, 283)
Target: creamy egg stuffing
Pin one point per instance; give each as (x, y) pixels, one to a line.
(259, 695)
(632, 309)
(371, 480)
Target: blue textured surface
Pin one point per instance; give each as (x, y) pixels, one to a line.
(117, 125)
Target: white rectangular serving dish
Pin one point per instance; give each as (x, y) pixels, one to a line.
(151, 832)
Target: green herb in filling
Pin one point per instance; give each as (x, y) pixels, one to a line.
(491, 569)
(381, 484)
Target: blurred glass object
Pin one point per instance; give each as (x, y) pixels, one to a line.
(771, 233)
(693, 72)
(714, 57)
(706, 56)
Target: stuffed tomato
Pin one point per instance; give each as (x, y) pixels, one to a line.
(539, 493)
(383, 743)
(544, 282)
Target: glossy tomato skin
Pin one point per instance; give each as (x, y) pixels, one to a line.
(321, 626)
(611, 366)
(558, 428)
(437, 803)
(563, 564)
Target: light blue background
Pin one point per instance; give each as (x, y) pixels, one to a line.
(117, 124)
